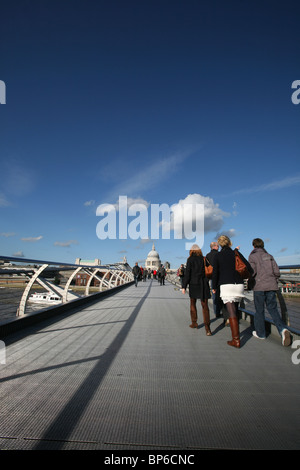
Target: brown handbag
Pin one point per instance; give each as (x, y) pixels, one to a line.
(208, 269)
(240, 266)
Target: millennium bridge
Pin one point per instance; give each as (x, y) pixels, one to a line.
(114, 367)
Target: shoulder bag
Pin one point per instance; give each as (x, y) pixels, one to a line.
(240, 266)
(208, 269)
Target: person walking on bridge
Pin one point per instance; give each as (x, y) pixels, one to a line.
(194, 277)
(217, 302)
(180, 274)
(231, 285)
(162, 275)
(136, 271)
(266, 275)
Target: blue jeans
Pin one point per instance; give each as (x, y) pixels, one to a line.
(269, 298)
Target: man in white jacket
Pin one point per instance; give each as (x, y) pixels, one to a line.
(266, 273)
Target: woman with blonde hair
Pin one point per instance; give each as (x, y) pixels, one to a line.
(194, 277)
(231, 284)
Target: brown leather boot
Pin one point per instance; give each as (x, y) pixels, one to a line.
(206, 319)
(193, 311)
(234, 325)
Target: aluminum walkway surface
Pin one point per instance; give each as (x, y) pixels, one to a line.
(128, 373)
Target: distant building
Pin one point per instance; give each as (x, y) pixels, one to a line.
(153, 260)
(82, 279)
(88, 262)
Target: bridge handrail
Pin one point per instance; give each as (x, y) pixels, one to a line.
(58, 263)
(114, 274)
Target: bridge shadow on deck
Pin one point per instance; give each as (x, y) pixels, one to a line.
(75, 407)
(128, 373)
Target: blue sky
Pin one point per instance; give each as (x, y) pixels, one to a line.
(160, 101)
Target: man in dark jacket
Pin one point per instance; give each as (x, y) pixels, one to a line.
(214, 248)
(162, 275)
(266, 273)
(136, 271)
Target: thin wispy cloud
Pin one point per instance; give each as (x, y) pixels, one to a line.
(148, 177)
(3, 201)
(122, 203)
(19, 254)
(89, 203)
(32, 239)
(229, 233)
(66, 244)
(7, 234)
(19, 179)
(273, 186)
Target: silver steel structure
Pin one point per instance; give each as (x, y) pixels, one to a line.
(33, 272)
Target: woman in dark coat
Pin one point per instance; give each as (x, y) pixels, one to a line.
(194, 277)
(231, 284)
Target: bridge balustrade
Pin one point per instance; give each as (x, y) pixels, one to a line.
(28, 285)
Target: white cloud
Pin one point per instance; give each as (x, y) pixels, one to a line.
(229, 233)
(89, 203)
(213, 215)
(7, 234)
(192, 217)
(67, 243)
(32, 239)
(145, 241)
(234, 207)
(19, 254)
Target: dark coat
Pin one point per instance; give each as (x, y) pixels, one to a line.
(211, 256)
(194, 277)
(224, 268)
(136, 270)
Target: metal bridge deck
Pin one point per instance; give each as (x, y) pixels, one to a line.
(128, 373)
